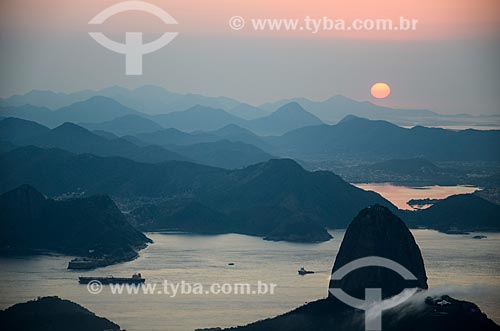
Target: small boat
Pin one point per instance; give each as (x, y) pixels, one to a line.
(135, 279)
(230, 263)
(303, 271)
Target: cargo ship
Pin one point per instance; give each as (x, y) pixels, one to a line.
(135, 279)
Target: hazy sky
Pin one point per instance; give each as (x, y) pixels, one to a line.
(449, 64)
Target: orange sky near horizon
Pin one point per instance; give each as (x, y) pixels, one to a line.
(449, 64)
(447, 19)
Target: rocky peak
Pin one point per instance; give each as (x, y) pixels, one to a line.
(376, 231)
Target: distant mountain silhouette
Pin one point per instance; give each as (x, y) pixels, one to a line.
(230, 132)
(94, 110)
(29, 221)
(107, 135)
(53, 314)
(288, 117)
(154, 100)
(97, 109)
(463, 212)
(222, 148)
(76, 139)
(197, 118)
(337, 107)
(233, 132)
(173, 136)
(73, 138)
(150, 99)
(223, 153)
(125, 125)
(48, 99)
(249, 193)
(248, 112)
(40, 115)
(200, 118)
(361, 138)
(19, 131)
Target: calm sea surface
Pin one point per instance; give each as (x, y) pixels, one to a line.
(400, 195)
(464, 267)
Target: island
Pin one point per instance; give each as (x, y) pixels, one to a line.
(92, 228)
(457, 214)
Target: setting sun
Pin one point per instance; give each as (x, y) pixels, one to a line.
(380, 90)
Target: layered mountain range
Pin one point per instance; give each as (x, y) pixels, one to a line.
(154, 100)
(225, 170)
(256, 199)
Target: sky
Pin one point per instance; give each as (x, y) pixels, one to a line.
(449, 64)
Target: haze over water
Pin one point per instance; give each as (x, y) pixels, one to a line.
(400, 195)
(457, 262)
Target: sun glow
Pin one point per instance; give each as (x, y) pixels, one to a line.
(380, 90)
